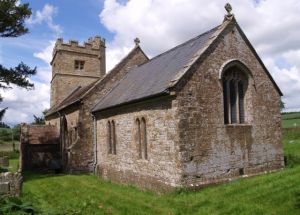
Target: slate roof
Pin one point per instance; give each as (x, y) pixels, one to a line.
(80, 92)
(72, 98)
(154, 77)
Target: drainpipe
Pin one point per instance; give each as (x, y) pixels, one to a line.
(95, 142)
(60, 139)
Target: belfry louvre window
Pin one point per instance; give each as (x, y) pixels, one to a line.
(142, 138)
(235, 83)
(111, 137)
(79, 65)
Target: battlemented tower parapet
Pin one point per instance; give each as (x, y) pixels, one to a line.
(75, 64)
(92, 46)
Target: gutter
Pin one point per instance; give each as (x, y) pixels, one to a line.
(163, 93)
(94, 143)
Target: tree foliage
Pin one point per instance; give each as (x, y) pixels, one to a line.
(4, 125)
(39, 120)
(12, 18)
(282, 105)
(12, 24)
(17, 76)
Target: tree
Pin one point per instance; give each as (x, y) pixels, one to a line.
(12, 24)
(39, 120)
(282, 105)
(3, 125)
(12, 18)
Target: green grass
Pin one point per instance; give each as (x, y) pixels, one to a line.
(7, 146)
(290, 120)
(293, 115)
(13, 160)
(13, 165)
(275, 193)
(290, 123)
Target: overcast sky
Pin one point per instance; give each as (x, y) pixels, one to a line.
(272, 26)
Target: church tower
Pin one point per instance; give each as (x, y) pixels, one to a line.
(75, 65)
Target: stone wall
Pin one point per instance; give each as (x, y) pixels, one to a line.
(81, 155)
(40, 148)
(189, 144)
(134, 58)
(161, 170)
(63, 85)
(55, 121)
(11, 184)
(212, 151)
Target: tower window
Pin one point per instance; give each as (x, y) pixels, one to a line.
(79, 64)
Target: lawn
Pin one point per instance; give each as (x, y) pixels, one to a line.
(275, 193)
(7, 146)
(292, 115)
(290, 120)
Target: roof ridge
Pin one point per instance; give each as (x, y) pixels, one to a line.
(184, 43)
(50, 111)
(217, 31)
(113, 69)
(189, 57)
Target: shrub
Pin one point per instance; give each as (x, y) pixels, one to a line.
(9, 205)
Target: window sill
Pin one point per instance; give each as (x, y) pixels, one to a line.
(143, 160)
(238, 125)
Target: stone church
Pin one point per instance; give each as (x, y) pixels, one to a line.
(203, 112)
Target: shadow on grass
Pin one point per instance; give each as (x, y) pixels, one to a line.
(31, 176)
(297, 196)
(291, 160)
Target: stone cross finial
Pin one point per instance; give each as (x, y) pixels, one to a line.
(137, 41)
(228, 8)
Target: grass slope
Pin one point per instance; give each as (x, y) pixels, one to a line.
(276, 193)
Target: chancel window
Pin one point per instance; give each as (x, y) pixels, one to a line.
(235, 84)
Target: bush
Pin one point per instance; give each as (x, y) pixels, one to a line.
(9, 205)
(11, 154)
(5, 134)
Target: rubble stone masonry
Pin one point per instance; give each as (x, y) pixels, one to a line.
(11, 184)
(81, 150)
(211, 151)
(65, 77)
(188, 143)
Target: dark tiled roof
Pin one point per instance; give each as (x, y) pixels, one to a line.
(72, 98)
(155, 76)
(79, 92)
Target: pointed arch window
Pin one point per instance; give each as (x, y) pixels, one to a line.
(139, 137)
(111, 137)
(144, 138)
(235, 83)
(141, 130)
